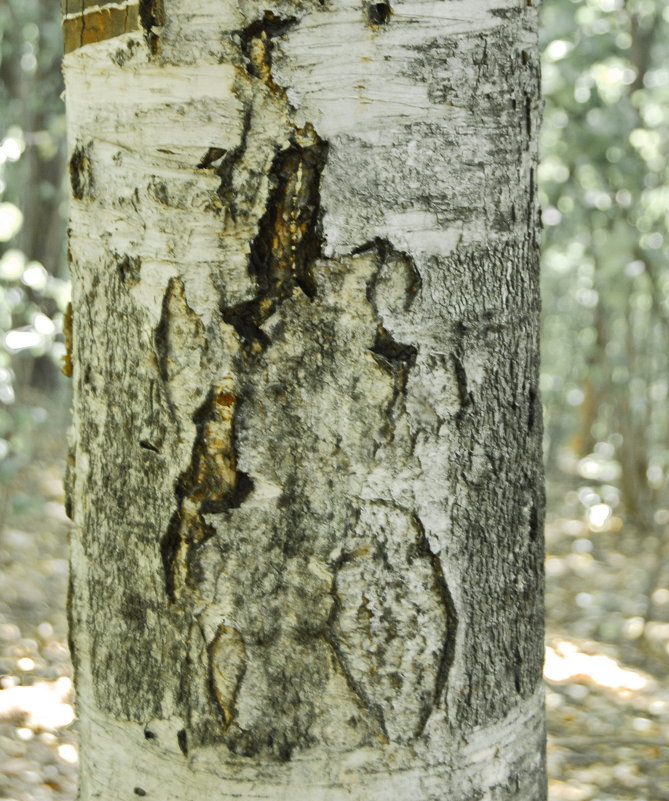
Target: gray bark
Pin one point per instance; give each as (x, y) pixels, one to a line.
(306, 475)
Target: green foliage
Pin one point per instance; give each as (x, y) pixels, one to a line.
(603, 182)
(33, 288)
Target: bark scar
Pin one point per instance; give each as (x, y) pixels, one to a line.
(381, 631)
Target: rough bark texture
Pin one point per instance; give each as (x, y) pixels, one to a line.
(306, 475)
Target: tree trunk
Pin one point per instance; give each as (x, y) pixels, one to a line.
(306, 470)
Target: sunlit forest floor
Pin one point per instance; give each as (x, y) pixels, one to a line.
(607, 681)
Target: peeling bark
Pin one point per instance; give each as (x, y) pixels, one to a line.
(306, 473)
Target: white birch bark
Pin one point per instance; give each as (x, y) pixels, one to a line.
(305, 477)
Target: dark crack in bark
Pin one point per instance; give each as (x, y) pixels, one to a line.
(210, 484)
(227, 666)
(257, 45)
(289, 237)
(457, 358)
(448, 652)
(224, 163)
(152, 16)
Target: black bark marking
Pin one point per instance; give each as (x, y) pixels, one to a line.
(81, 173)
(457, 358)
(246, 318)
(210, 158)
(224, 162)
(396, 357)
(71, 621)
(182, 740)
(388, 255)
(379, 13)
(139, 791)
(464, 394)
(149, 735)
(533, 523)
(152, 15)
(289, 237)
(148, 446)
(69, 480)
(530, 202)
(528, 115)
(128, 267)
(507, 13)
(532, 408)
(518, 672)
(257, 45)
(396, 354)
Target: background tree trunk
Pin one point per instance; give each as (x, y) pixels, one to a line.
(306, 473)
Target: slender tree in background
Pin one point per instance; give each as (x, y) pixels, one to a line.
(306, 471)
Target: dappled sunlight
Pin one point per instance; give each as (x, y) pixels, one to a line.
(45, 705)
(565, 662)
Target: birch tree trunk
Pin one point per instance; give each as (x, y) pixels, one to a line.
(306, 475)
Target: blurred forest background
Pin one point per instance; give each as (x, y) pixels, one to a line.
(605, 382)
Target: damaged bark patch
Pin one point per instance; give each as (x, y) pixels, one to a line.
(289, 237)
(210, 485)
